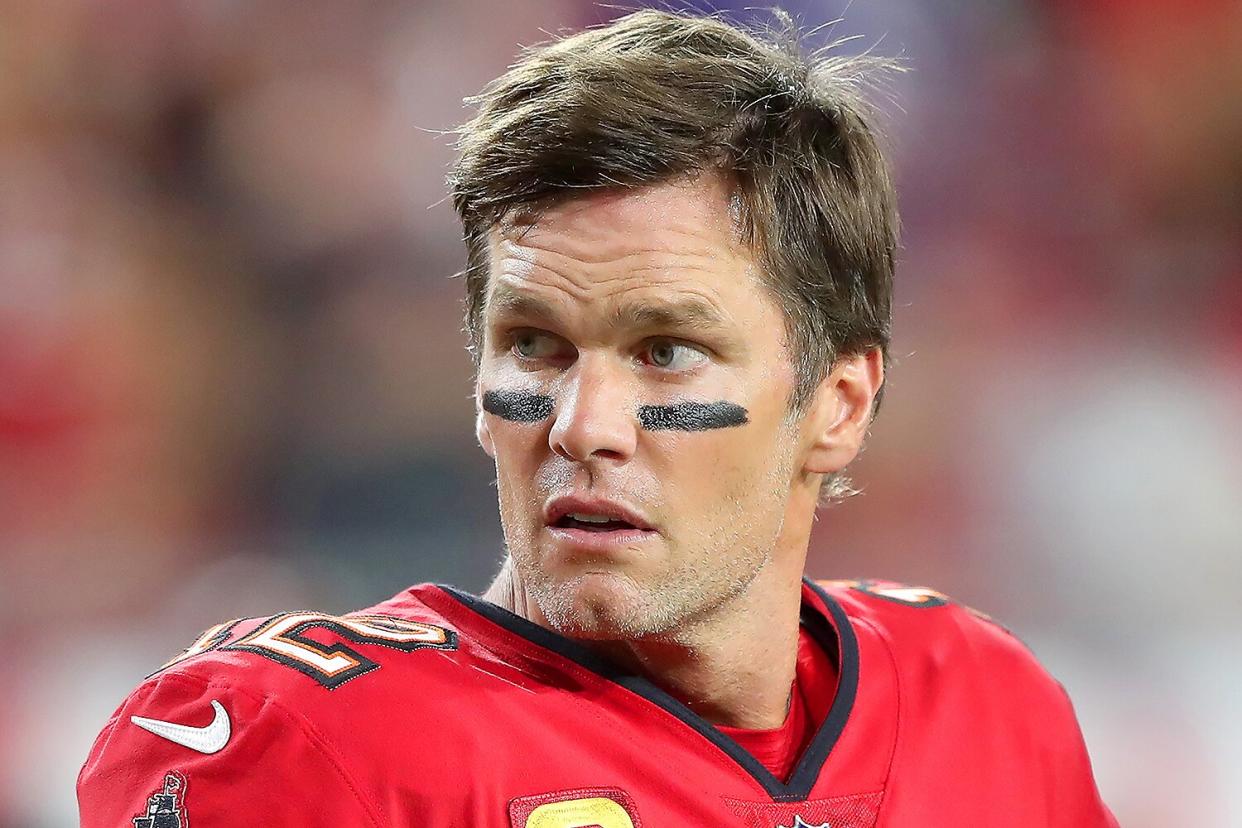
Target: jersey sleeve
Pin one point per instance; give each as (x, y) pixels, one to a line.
(1072, 766)
(987, 736)
(1034, 714)
(1034, 738)
(183, 750)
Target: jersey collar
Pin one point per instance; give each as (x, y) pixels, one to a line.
(824, 620)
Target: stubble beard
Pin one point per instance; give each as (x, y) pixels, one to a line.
(728, 555)
(611, 604)
(614, 606)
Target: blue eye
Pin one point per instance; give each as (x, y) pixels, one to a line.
(663, 354)
(534, 345)
(673, 355)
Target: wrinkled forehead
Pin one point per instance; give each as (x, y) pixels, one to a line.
(700, 214)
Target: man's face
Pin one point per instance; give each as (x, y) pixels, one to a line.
(633, 360)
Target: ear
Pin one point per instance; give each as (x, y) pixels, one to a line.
(481, 430)
(841, 412)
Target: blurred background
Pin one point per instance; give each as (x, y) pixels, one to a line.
(232, 377)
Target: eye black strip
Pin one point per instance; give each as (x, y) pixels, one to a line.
(692, 416)
(526, 407)
(518, 406)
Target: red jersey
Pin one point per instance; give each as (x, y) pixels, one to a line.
(438, 709)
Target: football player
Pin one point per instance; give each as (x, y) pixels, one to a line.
(680, 241)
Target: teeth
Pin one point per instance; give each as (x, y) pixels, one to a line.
(589, 518)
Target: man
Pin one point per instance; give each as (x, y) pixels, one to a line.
(680, 246)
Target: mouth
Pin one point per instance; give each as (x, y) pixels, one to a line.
(601, 540)
(593, 524)
(596, 524)
(593, 513)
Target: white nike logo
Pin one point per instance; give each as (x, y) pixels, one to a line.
(209, 739)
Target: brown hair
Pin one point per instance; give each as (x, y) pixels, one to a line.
(655, 96)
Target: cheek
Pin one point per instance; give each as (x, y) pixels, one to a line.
(716, 471)
(739, 475)
(517, 452)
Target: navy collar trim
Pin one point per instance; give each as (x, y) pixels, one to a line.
(832, 632)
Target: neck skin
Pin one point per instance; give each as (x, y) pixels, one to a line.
(733, 666)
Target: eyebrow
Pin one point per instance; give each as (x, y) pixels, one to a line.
(680, 314)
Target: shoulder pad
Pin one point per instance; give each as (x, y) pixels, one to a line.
(331, 650)
(897, 605)
(875, 592)
(919, 622)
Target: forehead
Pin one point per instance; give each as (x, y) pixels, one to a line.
(702, 209)
(674, 240)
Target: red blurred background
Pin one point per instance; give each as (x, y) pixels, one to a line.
(232, 378)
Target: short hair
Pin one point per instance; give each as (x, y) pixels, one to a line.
(657, 96)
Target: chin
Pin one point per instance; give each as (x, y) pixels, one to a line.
(595, 605)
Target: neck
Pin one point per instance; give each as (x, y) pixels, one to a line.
(735, 665)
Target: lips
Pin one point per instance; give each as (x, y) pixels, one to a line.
(591, 514)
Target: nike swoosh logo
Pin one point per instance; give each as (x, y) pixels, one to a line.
(209, 739)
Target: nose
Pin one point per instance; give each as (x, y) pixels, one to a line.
(594, 413)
